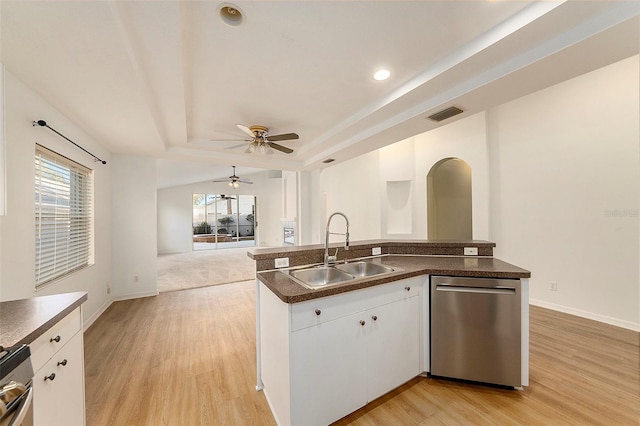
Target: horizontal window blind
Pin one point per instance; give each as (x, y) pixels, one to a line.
(64, 215)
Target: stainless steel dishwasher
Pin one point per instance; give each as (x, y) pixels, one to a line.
(475, 329)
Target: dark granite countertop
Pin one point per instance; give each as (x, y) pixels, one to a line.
(23, 321)
(290, 291)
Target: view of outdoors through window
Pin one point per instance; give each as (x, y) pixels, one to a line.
(223, 221)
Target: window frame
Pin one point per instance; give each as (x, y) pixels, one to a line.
(64, 215)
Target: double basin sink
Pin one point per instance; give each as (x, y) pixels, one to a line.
(323, 276)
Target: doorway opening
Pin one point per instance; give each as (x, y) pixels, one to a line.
(449, 208)
(223, 221)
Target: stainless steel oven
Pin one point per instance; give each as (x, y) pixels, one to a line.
(16, 393)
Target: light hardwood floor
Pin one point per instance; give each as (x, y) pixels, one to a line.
(188, 358)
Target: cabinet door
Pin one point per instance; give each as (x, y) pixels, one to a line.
(59, 400)
(393, 345)
(328, 371)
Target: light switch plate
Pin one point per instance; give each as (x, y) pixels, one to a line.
(282, 262)
(376, 251)
(471, 251)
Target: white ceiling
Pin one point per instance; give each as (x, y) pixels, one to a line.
(164, 78)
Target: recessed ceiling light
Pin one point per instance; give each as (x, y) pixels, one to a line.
(381, 75)
(230, 14)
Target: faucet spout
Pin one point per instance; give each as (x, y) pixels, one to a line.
(328, 258)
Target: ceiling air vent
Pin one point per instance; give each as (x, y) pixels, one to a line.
(445, 113)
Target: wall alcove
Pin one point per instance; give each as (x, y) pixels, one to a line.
(449, 213)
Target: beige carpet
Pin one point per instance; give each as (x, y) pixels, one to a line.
(204, 268)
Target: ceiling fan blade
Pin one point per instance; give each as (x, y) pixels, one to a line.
(246, 130)
(220, 180)
(280, 148)
(245, 181)
(229, 140)
(283, 137)
(238, 146)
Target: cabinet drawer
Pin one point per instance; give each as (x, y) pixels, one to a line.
(59, 400)
(45, 346)
(317, 311)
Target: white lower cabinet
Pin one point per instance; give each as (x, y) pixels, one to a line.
(343, 351)
(58, 384)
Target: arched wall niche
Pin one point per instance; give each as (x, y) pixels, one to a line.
(449, 206)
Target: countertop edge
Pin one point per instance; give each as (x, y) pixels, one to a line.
(75, 299)
(270, 280)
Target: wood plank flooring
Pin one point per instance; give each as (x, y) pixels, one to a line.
(188, 358)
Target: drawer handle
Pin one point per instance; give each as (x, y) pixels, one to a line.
(318, 312)
(362, 323)
(63, 362)
(375, 318)
(407, 288)
(54, 339)
(51, 376)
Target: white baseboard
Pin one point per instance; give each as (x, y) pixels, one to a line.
(135, 295)
(589, 315)
(89, 322)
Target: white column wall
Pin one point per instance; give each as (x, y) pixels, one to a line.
(17, 260)
(134, 225)
(565, 184)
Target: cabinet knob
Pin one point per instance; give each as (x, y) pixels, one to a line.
(318, 312)
(54, 339)
(407, 288)
(50, 377)
(362, 322)
(374, 317)
(63, 362)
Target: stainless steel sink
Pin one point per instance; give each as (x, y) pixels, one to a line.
(364, 269)
(321, 276)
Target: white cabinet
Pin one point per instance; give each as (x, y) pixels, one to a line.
(340, 351)
(58, 384)
(393, 346)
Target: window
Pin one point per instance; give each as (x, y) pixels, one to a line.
(64, 216)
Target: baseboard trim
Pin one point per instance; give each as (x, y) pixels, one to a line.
(629, 325)
(135, 295)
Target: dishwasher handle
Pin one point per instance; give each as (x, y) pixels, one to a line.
(478, 290)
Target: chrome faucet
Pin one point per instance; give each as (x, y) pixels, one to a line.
(328, 258)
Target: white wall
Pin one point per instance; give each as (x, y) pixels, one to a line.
(17, 253)
(555, 181)
(353, 188)
(134, 225)
(174, 226)
(565, 185)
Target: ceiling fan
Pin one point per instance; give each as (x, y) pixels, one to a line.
(261, 142)
(234, 181)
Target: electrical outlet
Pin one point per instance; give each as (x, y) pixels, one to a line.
(136, 278)
(282, 262)
(376, 251)
(108, 288)
(471, 251)
(553, 286)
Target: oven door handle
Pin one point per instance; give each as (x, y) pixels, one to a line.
(23, 408)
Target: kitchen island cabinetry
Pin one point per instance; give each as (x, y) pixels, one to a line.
(339, 352)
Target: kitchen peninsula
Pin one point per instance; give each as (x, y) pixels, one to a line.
(324, 352)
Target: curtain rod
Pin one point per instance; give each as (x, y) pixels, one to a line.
(44, 124)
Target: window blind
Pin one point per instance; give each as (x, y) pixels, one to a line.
(64, 216)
